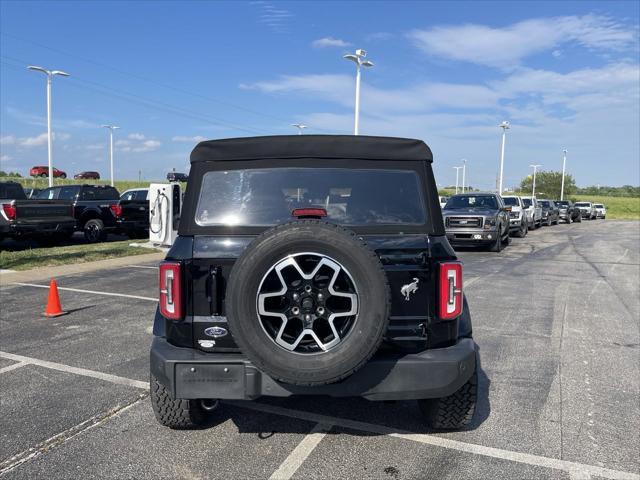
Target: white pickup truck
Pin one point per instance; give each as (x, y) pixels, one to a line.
(534, 212)
(587, 210)
(518, 216)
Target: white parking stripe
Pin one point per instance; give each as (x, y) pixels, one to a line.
(13, 367)
(78, 371)
(93, 292)
(143, 266)
(292, 463)
(573, 468)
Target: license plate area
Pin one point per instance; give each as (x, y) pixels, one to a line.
(210, 380)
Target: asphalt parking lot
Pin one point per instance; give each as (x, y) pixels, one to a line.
(556, 317)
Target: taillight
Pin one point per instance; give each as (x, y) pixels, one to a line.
(450, 290)
(171, 290)
(116, 210)
(9, 210)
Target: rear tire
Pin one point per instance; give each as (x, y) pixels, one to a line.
(176, 413)
(524, 229)
(94, 231)
(452, 412)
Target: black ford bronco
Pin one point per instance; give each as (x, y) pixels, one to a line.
(312, 265)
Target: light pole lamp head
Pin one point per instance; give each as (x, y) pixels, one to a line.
(505, 125)
(367, 63)
(353, 58)
(61, 73)
(111, 127)
(38, 69)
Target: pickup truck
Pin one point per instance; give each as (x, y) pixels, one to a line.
(518, 216)
(568, 211)
(587, 210)
(601, 211)
(91, 207)
(477, 219)
(44, 220)
(534, 211)
(132, 213)
(550, 212)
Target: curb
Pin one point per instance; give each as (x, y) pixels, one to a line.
(46, 273)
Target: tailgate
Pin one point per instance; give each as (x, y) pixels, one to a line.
(43, 210)
(136, 210)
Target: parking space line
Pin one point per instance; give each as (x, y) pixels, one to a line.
(574, 469)
(296, 458)
(144, 266)
(78, 371)
(13, 367)
(93, 292)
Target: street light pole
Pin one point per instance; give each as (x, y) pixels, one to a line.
(50, 74)
(505, 126)
(111, 129)
(299, 126)
(564, 163)
(533, 190)
(457, 171)
(357, 58)
(464, 172)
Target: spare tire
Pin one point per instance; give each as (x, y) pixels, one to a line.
(308, 302)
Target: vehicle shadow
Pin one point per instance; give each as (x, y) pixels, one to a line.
(385, 416)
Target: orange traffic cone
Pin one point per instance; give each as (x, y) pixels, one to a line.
(54, 309)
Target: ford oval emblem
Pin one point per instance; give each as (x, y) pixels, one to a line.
(215, 332)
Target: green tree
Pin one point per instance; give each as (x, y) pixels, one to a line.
(549, 184)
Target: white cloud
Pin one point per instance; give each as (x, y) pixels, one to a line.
(339, 88)
(195, 139)
(5, 158)
(137, 142)
(585, 110)
(329, 42)
(276, 19)
(36, 141)
(505, 47)
(33, 141)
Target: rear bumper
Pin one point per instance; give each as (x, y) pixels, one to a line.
(191, 374)
(132, 225)
(33, 229)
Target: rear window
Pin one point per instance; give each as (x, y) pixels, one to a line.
(100, 193)
(562, 204)
(264, 197)
(544, 203)
(599, 205)
(12, 191)
(526, 202)
(511, 201)
(582, 204)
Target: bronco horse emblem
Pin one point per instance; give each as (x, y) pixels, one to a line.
(409, 288)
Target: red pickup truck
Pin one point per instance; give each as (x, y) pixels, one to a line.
(40, 171)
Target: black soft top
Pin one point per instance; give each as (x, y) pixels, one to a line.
(311, 146)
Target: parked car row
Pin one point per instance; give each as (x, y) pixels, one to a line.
(55, 213)
(489, 219)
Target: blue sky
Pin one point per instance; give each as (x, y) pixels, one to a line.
(565, 74)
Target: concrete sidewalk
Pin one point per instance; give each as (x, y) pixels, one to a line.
(45, 273)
